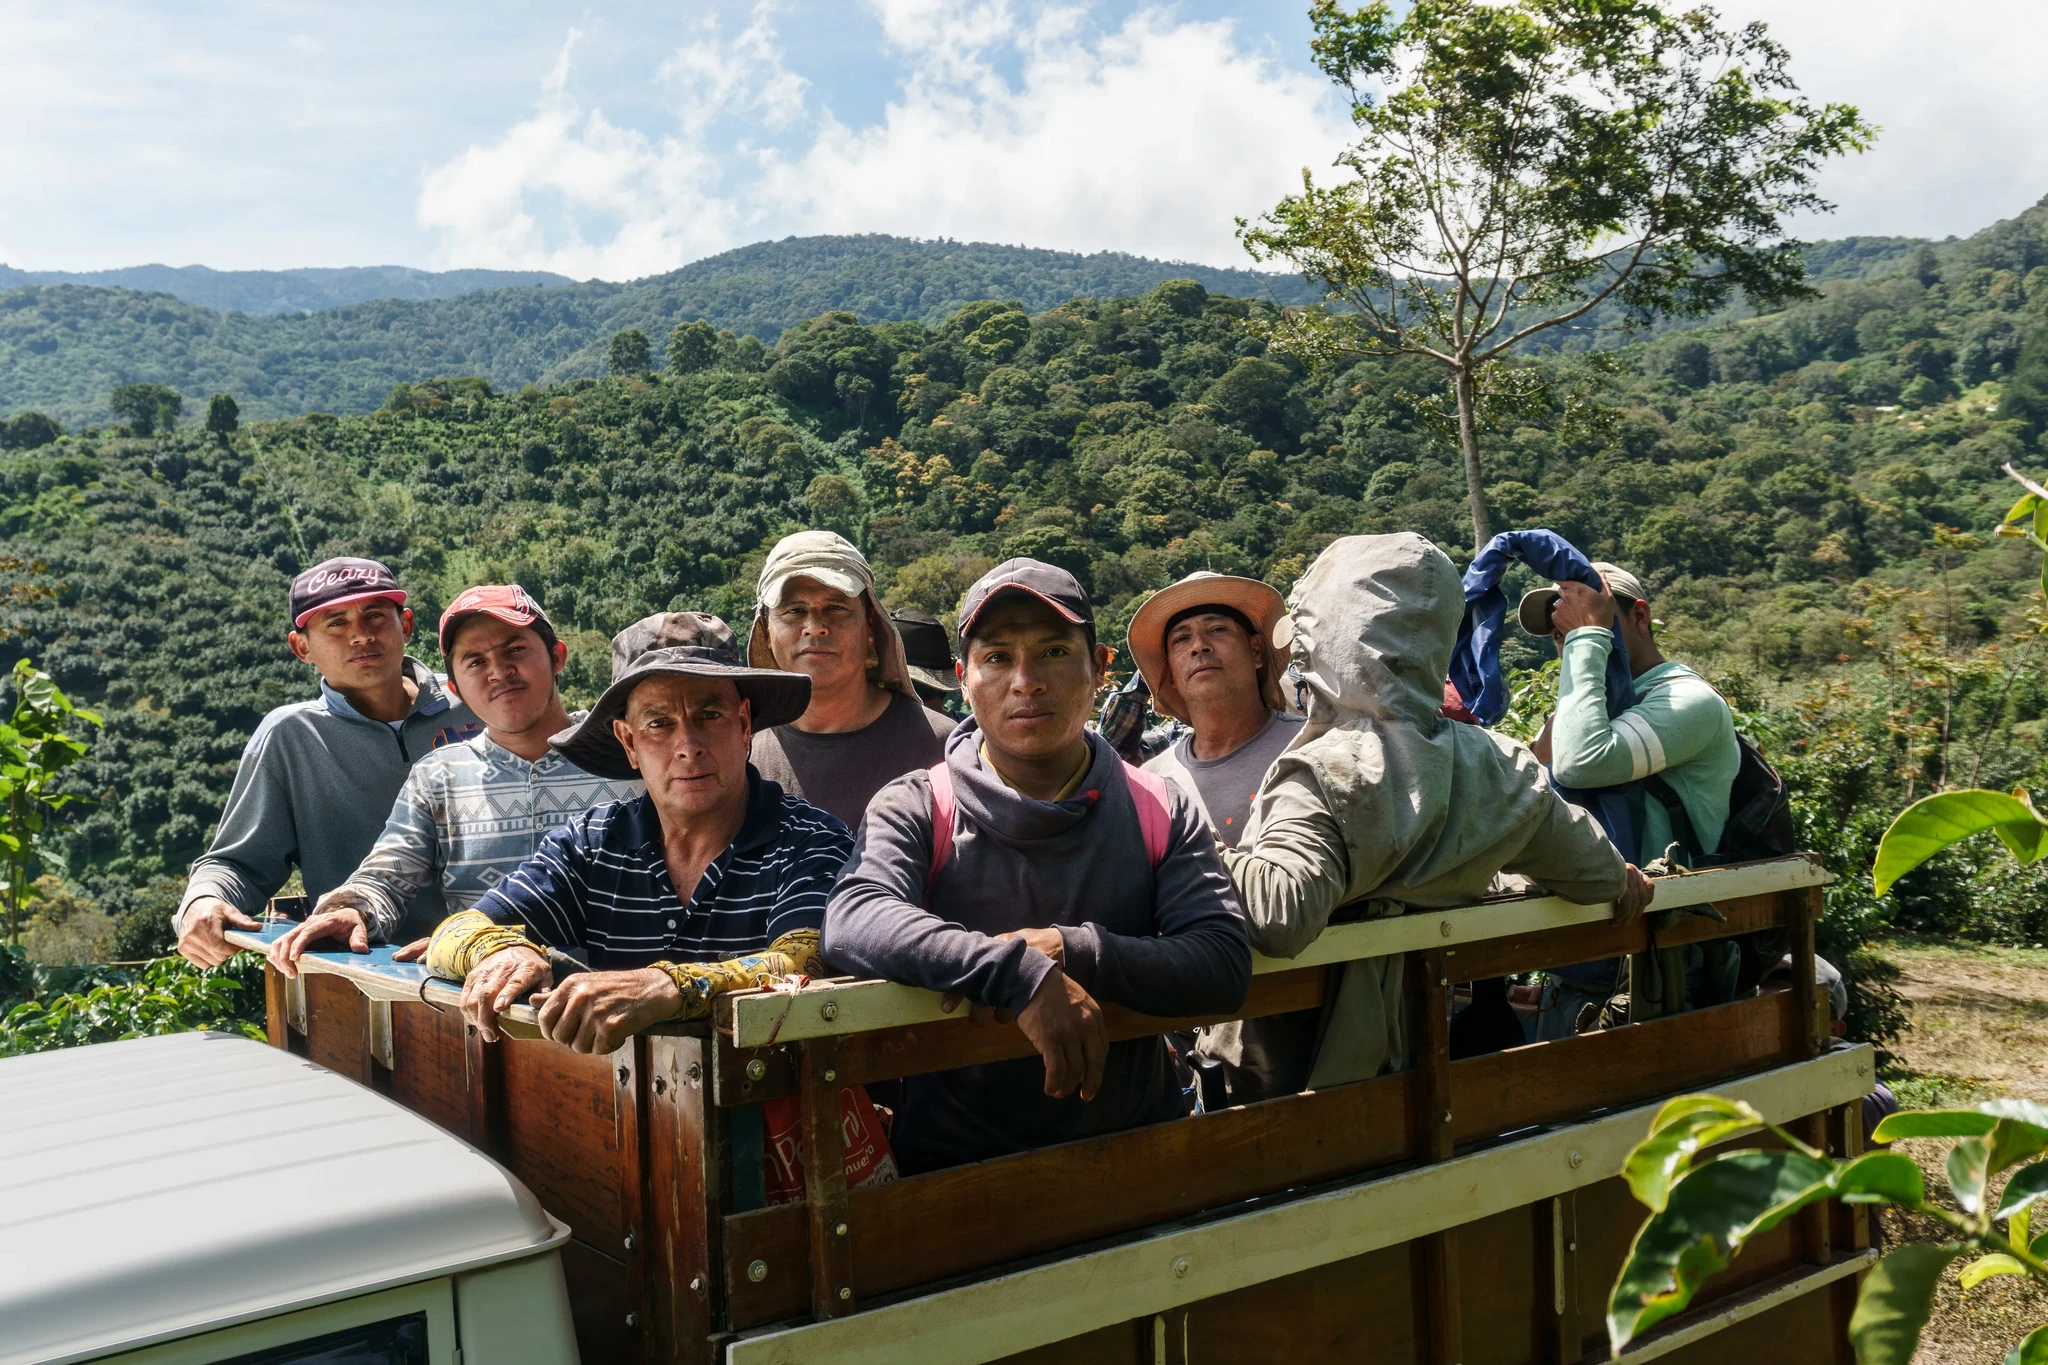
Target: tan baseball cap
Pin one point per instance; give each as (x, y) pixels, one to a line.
(1534, 613)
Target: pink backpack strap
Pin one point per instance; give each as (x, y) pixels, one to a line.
(941, 780)
(1148, 794)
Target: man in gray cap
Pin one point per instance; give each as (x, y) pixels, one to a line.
(864, 726)
(714, 880)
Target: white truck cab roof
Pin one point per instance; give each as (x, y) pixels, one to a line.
(161, 1186)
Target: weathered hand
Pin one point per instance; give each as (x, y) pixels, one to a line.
(342, 924)
(597, 1011)
(1636, 893)
(1579, 605)
(495, 985)
(202, 932)
(1540, 746)
(1065, 1024)
(413, 951)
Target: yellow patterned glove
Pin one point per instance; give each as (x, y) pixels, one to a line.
(701, 982)
(467, 938)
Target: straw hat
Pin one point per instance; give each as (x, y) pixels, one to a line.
(1259, 603)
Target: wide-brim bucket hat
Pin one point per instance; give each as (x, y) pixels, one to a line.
(833, 560)
(687, 644)
(1259, 603)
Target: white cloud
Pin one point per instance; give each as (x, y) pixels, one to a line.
(1149, 138)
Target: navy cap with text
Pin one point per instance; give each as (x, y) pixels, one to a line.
(339, 581)
(1048, 583)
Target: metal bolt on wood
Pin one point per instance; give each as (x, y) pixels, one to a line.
(695, 1071)
(629, 1241)
(1180, 1267)
(845, 1293)
(1447, 1116)
(1575, 1159)
(660, 1084)
(757, 1271)
(839, 1229)
(632, 1319)
(756, 1069)
(624, 1075)
(696, 1284)
(829, 1010)
(830, 1075)
(1443, 927)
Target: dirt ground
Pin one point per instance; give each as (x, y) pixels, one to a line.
(1979, 1030)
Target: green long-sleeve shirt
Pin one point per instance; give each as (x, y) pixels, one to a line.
(1679, 727)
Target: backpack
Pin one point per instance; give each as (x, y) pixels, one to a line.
(1759, 813)
(1148, 794)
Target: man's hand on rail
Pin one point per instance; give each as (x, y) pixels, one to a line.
(1047, 941)
(413, 951)
(597, 1011)
(340, 924)
(495, 985)
(1065, 1024)
(1636, 893)
(202, 931)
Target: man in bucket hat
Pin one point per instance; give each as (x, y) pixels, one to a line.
(714, 879)
(864, 726)
(469, 813)
(318, 777)
(1205, 648)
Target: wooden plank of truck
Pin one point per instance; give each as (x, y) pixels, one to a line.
(1459, 1211)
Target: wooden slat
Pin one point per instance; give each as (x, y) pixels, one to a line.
(631, 1188)
(431, 1077)
(1587, 942)
(824, 1161)
(561, 1138)
(274, 1025)
(685, 1211)
(484, 1067)
(1559, 1330)
(338, 1027)
(1437, 1270)
(1015, 1206)
(889, 1053)
(838, 1007)
(1551, 1082)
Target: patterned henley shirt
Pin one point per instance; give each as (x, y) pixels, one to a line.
(467, 815)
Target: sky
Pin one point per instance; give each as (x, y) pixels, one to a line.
(616, 140)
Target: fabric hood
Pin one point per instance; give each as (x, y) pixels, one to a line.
(1373, 622)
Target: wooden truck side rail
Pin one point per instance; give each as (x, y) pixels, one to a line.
(1437, 1187)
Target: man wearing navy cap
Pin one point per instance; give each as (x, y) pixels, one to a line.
(318, 777)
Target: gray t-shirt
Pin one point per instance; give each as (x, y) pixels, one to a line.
(842, 772)
(1227, 785)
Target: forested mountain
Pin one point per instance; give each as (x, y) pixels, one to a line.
(1808, 494)
(64, 348)
(286, 291)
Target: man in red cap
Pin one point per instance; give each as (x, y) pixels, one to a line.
(470, 812)
(317, 777)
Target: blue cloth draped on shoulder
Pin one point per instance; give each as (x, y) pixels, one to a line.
(1475, 661)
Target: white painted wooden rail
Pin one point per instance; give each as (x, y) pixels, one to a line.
(826, 1008)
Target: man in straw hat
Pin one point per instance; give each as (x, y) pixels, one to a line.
(1205, 647)
(715, 879)
(816, 615)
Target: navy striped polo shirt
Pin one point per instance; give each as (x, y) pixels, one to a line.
(599, 886)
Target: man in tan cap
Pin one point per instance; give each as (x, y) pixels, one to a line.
(1205, 647)
(817, 615)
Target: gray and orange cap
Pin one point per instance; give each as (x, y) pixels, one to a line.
(337, 582)
(1534, 613)
(690, 644)
(1048, 583)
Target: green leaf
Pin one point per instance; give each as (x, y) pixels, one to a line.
(1896, 1298)
(2031, 1112)
(2014, 1141)
(1984, 1267)
(1920, 1123)
(2038, 1248)
(1682, 1128)
(1887, 1175)
(1969, 1164)
(2027, 1185)
(1710, 1212)
(2032, 1351)
(1932, 824)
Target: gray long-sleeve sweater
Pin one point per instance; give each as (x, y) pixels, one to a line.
(1168, 942)
(314, 789)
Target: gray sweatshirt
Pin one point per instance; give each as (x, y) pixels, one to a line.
(316, 784)
(1168, 942)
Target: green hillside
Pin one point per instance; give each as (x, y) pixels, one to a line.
(285, 291)
(1782, 483)
(63, 348)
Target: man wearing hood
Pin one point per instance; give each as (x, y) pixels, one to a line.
(1033, 873)
(1381, 804)
(817, 615)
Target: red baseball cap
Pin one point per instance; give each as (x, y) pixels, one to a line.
(506, 601)
(339, 581)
